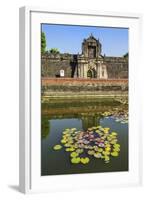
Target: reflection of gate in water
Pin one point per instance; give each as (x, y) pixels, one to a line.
(90, 121)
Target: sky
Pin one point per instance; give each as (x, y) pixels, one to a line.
(69, 38)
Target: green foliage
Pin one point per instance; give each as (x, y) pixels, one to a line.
(75, 160)
(57, 147)
(126, 55)
(85, 160)
(98, 142)
(74, 154)
(54, 51)
(43, 42)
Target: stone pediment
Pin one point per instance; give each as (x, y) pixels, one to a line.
(91, 38)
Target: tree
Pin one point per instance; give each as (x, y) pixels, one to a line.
(43, 42)
(126, 55)
(54, 51)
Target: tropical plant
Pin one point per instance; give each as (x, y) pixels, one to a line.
(43, 42)
(54, 50)
(126, 55)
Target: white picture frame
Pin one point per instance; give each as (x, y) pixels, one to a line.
(30, 178)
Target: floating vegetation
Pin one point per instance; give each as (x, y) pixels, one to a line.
(57, 147)
(97, 142)
(120, 116)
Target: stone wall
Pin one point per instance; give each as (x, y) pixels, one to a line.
(117, 67)
(83, 86)
(52, 64)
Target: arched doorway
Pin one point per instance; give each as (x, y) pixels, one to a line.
(89, 73)
(92, 73)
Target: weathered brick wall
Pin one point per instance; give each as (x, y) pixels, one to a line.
(73, 85)
(51, 68)
(52, 64)
(117, 67)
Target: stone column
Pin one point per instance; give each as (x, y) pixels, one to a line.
(102, 72)
(98, 69)
(85, 69)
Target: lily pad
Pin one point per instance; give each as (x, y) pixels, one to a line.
(63, 141)
(75, 160)
(106, 153)
(100, 149)
(74, 154)
(69, 149)
(114, 134)
(97, 155)
(79, 151)
(85, 160)
(57, 147)
(116, 145)
(107, 149)
(97, 142)
(91, 152)
(115, 153)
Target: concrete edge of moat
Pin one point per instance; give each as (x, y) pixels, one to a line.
(121, 98)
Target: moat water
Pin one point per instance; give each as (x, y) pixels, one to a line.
(58, 116)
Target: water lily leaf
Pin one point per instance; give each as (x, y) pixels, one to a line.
(67, 129)
(100, 149)
(106, 153)
(107, 145)
(69, 149)
(75, 145)
(107, 149)
(85, 160)
(106, 132)
(116, 149)
(73, 129)
(107, 158)
(115, 153)
(90, 129)
(97, 155)
(75, 160)
(67, 145)
(94, 127)
(79, 151)
(74, 154)
(114, 134)
(98, 127)
(106, 142)
(57, 147)
(91, 152)
(107, 128)
(101, 144)
(96, 148)
(109, 138)
(63, 141)
(116, 145)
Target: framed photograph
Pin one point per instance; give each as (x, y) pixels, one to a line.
(79, 93)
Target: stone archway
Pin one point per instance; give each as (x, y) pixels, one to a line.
(92, 73)
(89, 73)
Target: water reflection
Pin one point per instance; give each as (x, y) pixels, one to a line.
(88, 112)
(59, 115)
